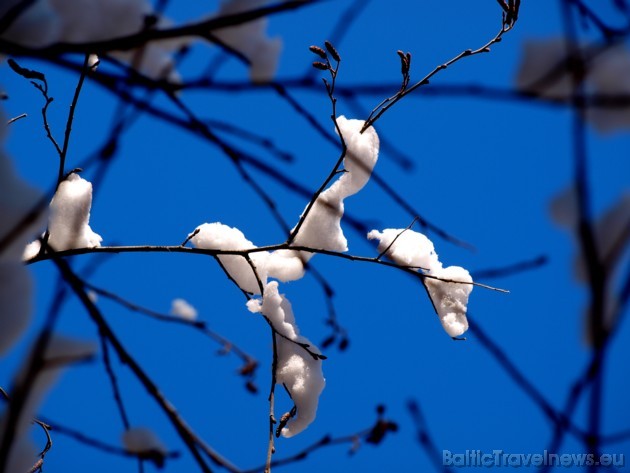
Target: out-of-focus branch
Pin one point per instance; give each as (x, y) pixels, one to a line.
(201, 29)
(373, 435)
(597, 277)
(250, 363)
(555, 417)
(189, 438)
(95, 443)
(511, 269)
(424, 438)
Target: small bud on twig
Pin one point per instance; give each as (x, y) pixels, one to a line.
(320, 65)
(24, 72)
(319, 51)
(333, 52)
(404, 65)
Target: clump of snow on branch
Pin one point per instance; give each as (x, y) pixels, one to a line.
(216, 236)
(612, 240)
(183, 309)
(449, 294)
(298, 370)
(68, 223)
(70, 215)
(145, 443)
(17, 200)
(322, 227)
(250, 39)
(286, 265)
(545, 70)
(60, 352)
(450, 299)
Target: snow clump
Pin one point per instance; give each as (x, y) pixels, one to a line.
(299, 367)
(69, 218)
(449, 294)
(297, 370)
(182, 309)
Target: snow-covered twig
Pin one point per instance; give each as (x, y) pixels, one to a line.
(330, 90)
(182, 249)
(113, 381)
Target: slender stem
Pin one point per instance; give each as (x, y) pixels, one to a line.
(187, 435)
(388, 103)
(73, 105)
(272, 393)
(182, 249)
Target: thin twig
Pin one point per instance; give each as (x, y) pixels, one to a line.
(283, 246)
(330, 89)
(73, 105)
(424, 438)
(113, 381)
(19, 117)
(272, 393)
(189, 438)
(511, 269)
(227, 346)
(388, 103)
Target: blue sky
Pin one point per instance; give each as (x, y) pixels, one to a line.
(484, 169)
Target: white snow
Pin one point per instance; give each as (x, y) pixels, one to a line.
(142, 440)
(450, 299)
(322, 227)
(216, 236)
(286, 265)
(411, 248)
(70, 215)
(182, 308)
(297, 370)
(250, 39)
